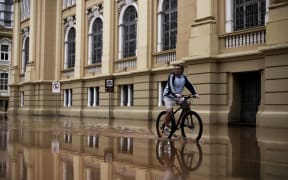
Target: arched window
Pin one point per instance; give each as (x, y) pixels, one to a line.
(95, 39)
(70, 45)
(129, 32)
(25, 54)
(169, 26)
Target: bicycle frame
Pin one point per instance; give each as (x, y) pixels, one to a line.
(175, 126)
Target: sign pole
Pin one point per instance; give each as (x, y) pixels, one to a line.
(109, 87)
(56, 106)
(56, 89)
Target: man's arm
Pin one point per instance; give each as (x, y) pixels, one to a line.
(189, 86)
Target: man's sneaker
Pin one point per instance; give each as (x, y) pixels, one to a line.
(167, 130)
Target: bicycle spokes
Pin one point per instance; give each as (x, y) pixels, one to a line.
(192, 126)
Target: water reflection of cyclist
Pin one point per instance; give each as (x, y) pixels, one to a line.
(173, 90)
(168, 173)
(168, 160)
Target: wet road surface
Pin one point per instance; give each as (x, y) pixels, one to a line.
(43, 148)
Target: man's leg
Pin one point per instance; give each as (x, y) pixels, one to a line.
(168, 116)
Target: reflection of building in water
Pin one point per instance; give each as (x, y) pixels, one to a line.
(125, 145)
(6, 31)
(229, 49)
(67, 169)
(233, 153)
(3, 152)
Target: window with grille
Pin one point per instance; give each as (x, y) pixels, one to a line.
(126, 95)
(4, 52)
(161, 87)
(6, 13)
(71, 48)
(3, 81)
(67, 97)
(21, 98)
(248, 13)
(97, 32)
(25, 54)
(130, 32)
(169, 26)
(93, 96)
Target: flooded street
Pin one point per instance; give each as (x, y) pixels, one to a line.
(43, 148)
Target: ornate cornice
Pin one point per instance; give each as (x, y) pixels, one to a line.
(25, 32)
(95, 11)
(68, 22)
(122, 3)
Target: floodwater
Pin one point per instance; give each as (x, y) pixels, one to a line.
(43, 148)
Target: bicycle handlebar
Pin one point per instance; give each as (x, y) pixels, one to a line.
(189, 96)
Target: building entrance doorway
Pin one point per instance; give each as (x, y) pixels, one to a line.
(246, 97)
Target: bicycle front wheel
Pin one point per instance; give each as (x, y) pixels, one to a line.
(160, 123)
(191, 126)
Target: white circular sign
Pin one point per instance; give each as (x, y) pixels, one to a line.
(55, 87)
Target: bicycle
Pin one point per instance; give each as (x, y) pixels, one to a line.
(188, 156)
(188, 120)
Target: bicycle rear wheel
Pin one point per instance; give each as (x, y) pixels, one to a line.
(191, 126)
(160, 123)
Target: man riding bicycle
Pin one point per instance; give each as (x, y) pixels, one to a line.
(173, 92)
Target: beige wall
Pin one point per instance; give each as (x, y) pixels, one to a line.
(200, 46)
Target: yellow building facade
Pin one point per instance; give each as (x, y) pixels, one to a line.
(234, 52)
(6, 31)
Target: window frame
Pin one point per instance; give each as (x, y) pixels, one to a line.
(4, 81)
(25, 53)
(94, 43)
(121, 27)
(70, 58)
(166, 35)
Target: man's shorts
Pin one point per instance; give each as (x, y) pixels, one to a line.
(169, 102)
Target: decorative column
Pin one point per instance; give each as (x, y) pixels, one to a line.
(16, 51)
(144, 34)
(79, 39)
(108, 36)
(204, 40)
(30, 67)
(274, 105)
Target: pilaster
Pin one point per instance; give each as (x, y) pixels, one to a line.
(274, 101)
(80, 35)
(30, 67)
(277, 22)
(144, 34)
(16, 51)
(58, 41)
(108, 36)
(203, 39)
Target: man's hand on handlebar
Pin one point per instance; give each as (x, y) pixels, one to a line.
(196, 96)
(178, 95)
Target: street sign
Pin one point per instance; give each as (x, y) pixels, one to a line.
(109, 85)
(56, 87)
